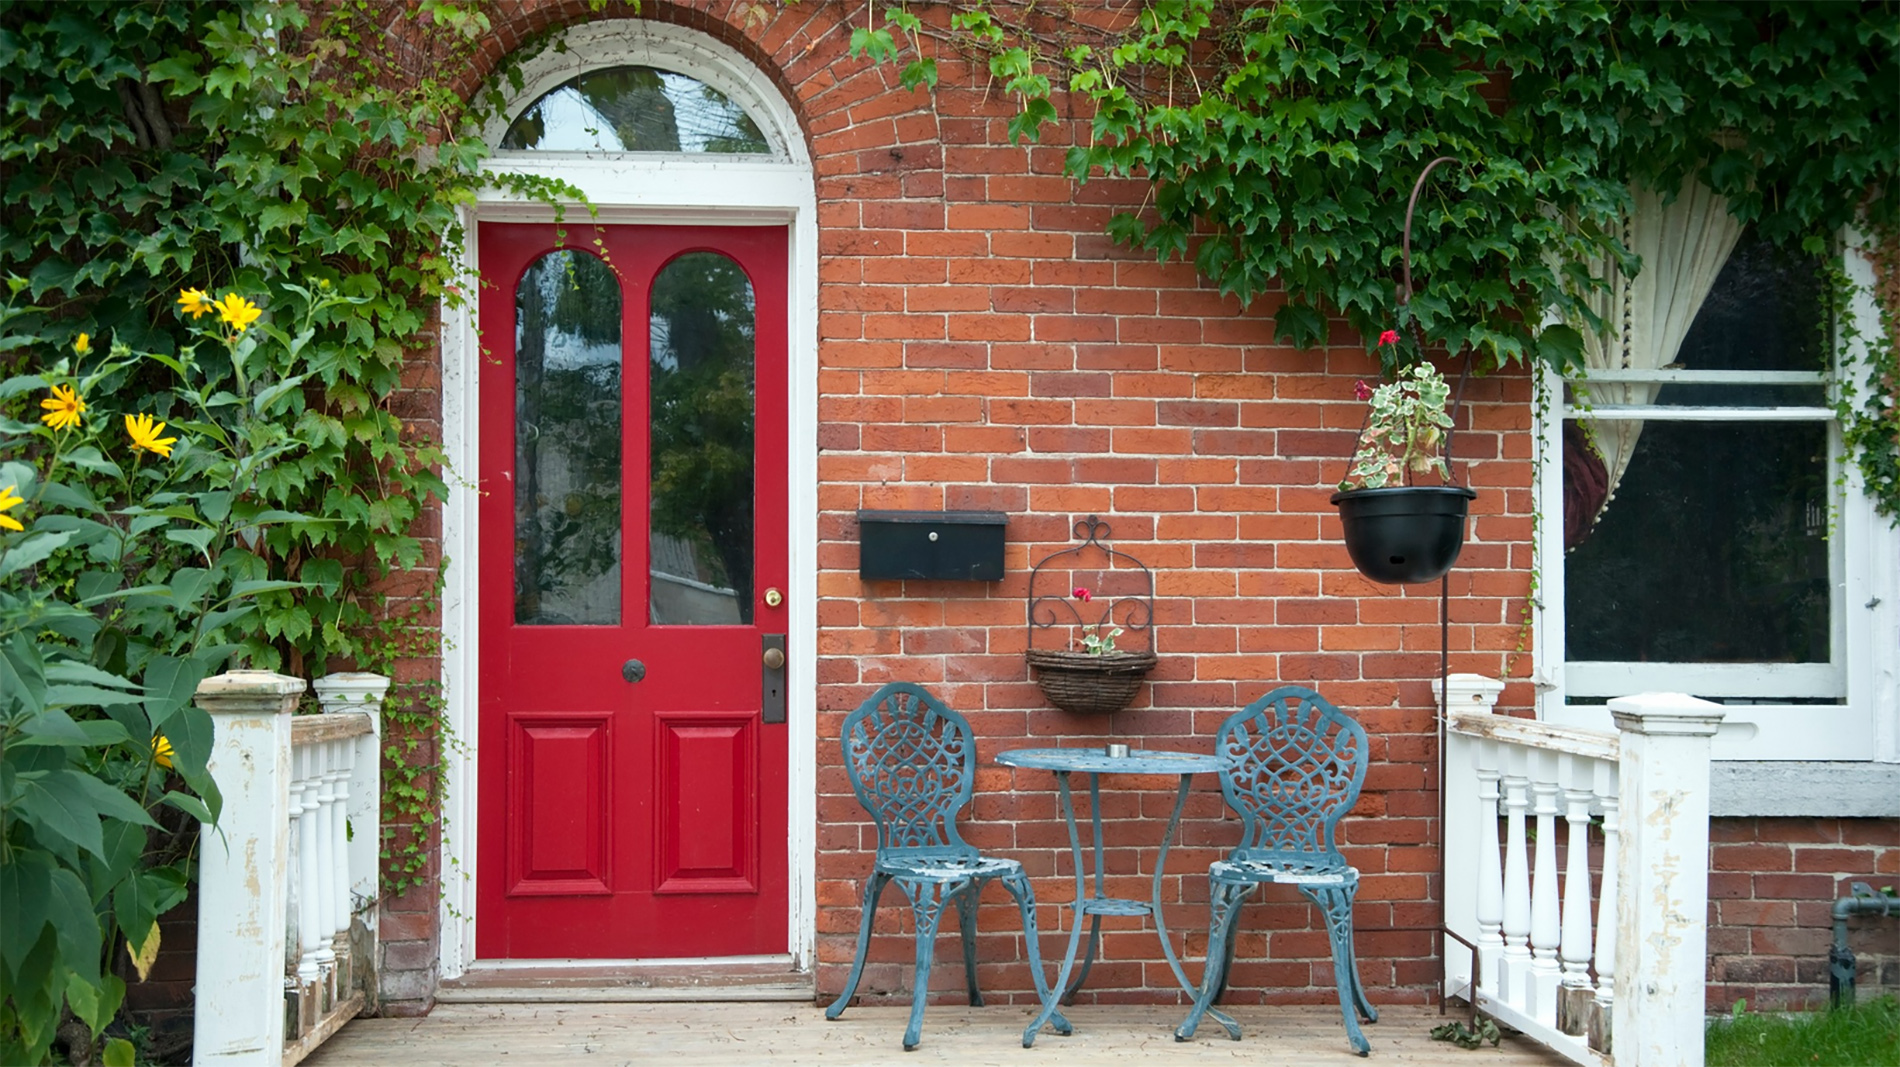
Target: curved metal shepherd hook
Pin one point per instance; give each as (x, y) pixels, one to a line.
(1444, 582)
(1405, 295)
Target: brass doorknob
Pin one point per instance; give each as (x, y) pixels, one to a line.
(773, 598)
(774, 658)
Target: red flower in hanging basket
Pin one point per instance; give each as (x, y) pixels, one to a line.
(1082, 594)
(1389, 337)
(1361, 391)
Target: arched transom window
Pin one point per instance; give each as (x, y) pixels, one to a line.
(636, 109)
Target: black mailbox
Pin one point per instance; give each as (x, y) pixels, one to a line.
(961, 545)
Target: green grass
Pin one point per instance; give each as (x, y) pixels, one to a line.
(1867, 1035)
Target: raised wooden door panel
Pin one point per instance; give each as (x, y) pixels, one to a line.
(708, 810)
(633, 511)
(561, 773)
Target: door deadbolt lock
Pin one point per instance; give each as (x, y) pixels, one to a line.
(773, 598)
(772, 678)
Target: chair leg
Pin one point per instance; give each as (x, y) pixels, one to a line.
(1018, 885)
(1227, 951)
(1335, 903)
(873, 889)
(927, 900)
(966, 923)
(1366, 1010)
(1224, 906)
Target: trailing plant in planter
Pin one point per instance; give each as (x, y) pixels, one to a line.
(1397, 531)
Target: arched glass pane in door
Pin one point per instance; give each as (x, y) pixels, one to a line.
(635, 109)
(703, 386)
(567, 442)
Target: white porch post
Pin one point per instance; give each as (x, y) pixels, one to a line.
(243, 867)
(1663, 865)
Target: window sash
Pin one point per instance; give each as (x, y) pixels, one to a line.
(1709, 377)
(1684, 413)
(1713, 681)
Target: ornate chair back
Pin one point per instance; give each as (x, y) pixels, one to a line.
(1299, 765)
(912, 762)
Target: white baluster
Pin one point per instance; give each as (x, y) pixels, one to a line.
(293, 867)
(342, 766)
(1544, 910)
(1575, 946)
(308, 867)
(323, 782)
(1607, 787)
(1490, 905)
(1515, 965)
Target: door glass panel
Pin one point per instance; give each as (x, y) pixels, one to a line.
(635, 109)
(567, 443)
(701, 427)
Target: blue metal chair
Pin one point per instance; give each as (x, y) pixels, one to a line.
(1298, 766)
(912, 762)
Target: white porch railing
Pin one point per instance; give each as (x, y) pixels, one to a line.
(288, 878)
(1568, 966)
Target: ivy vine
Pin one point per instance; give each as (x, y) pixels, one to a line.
(1280, 139)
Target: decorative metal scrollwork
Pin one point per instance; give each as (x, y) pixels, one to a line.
(1133, 611)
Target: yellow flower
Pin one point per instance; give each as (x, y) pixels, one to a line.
(162, 751)
(195, 302)
(10, 498)
(64, 407)
(237, 311)
(83, 344)
(145, 435)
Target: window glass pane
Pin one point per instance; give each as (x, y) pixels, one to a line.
(1712, 550)
(1764, 313)
(1701, 394)
(567, 442)
(635, 109)
(702, 389)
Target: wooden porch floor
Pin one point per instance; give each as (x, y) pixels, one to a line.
(747, 1034)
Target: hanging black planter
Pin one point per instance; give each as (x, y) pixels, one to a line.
(1408, 533)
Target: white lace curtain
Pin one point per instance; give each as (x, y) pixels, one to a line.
(1684, 245)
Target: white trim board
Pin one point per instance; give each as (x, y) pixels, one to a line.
(659, 189)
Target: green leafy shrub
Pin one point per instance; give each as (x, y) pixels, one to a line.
(311, 160)
(130, 569)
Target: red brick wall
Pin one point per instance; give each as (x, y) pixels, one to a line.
(1771, 885)
(983, 345)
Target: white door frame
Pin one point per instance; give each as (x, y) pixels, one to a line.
(654, 189)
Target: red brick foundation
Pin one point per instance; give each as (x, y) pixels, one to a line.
(1771, 885)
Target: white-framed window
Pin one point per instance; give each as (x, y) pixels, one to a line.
(1703, 530)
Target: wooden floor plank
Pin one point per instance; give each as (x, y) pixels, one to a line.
(730, 1035)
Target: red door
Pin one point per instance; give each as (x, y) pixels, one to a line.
(633, 516)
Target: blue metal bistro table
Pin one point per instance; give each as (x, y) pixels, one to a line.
(1095, 763)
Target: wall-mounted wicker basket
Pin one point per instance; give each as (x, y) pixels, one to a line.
(1080, 681)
